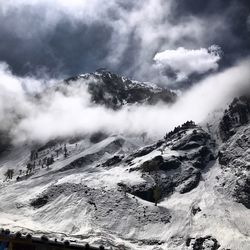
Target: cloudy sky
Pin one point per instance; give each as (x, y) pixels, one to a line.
(143, 39)
(201, 48)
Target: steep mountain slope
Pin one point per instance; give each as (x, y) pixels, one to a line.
(234, 154)
(174, 163)
(186, 191)
(237, 115)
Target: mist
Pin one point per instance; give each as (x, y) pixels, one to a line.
(33, 110)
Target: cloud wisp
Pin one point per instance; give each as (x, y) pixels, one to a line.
(182, 62)
(68, 112)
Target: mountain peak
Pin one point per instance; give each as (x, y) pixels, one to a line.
(114, 91)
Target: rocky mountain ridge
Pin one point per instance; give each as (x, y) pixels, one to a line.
(113, 91)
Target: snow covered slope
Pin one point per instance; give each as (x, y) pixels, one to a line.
(103, 189)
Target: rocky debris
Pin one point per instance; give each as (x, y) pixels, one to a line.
(115, 204)
(114, 91)
(195, 209)
(202, 243)
(103, 203)
(237, 114)
(55, 191)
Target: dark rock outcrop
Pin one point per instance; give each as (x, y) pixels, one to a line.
(188, 150)
(190, 183)
(113, 161)
(202, 243)
(114, 91)
(5, 141)
(234, 158)
(237, 114)
(146, 190)
(40, 201)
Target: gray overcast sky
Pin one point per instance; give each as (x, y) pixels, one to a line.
(65, 38)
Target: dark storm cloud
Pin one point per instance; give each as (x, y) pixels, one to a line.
(67, 48)
(234, 37)
(67, 38)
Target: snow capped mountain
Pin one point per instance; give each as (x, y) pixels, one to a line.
(188, 190)
(113, 91)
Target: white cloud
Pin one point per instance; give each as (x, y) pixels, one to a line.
(184, 62)
(59, 115)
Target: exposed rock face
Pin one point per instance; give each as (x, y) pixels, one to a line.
(40, 201)
(234, 153)
(113, 160)
(113, 91)
(234, 156)
(202, 243)
(176, 162)
(4, 142)
(192, 181)
(238, 114)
